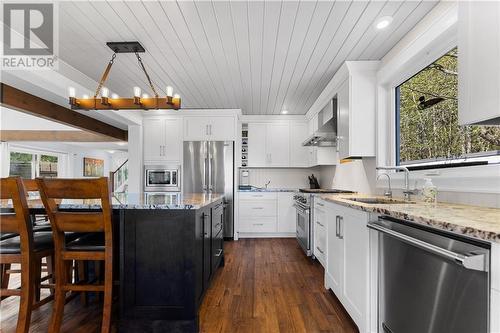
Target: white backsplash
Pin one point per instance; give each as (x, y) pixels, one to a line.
(282, 178)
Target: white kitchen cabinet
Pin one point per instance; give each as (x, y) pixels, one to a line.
(320, 233)
(299, 155)
(162, 139)
(266, 214)
(213, 128)
(286, 213)
(268, 144)
(478, 62)
(356, 100)
(347, 271)
(277, 144)
(257, 152)
(495, 311)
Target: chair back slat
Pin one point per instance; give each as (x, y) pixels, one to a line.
(68, 221)
(58, 188)
(30, 185)
(80, 222)
(18, 220)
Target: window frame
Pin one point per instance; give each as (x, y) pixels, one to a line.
(61, 159)
(433, 163)
(432, 37)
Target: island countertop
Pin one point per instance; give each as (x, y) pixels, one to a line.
(143, 200)
(473, 221)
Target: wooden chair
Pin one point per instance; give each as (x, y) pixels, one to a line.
(26, 249)
(96, 245)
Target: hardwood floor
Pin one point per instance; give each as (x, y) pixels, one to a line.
(266, 285)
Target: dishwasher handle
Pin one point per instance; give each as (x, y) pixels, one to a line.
(476, 262)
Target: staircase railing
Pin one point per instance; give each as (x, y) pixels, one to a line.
(119, 178)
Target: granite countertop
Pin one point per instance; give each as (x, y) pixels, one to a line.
(134, 201)
(258, 189)
(473, 221)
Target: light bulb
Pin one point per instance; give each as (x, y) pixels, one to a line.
(104, 92)
(114, 96)
(85, 96)
(176, 96)
(137, 92)
(284, 111)
(71, 92)
(170, 91)
(145, 95)
(383, 22)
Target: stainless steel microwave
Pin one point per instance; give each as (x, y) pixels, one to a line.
(162, 178)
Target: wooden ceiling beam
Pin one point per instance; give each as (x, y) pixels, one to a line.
(50, 136)
(22, 101)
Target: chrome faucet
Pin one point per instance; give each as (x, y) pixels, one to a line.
(388, 192)
(406, 190)
(267, 184)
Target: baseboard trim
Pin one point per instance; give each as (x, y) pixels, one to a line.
(266, 235)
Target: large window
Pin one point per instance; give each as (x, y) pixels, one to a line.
(31, 165)
(427, 129)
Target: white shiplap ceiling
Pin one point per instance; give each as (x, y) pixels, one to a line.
(260, 56)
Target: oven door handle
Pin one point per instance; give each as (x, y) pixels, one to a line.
(476, 262)
(300, 209)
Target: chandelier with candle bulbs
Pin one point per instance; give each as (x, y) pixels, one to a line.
(103, 101)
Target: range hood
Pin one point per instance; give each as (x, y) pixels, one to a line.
(326, 135)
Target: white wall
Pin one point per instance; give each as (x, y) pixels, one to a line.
(355, 175)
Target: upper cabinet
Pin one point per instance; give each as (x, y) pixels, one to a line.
(478, 62)
(299, 155)
(213, 128)
(356, 98)
(277, 144)
(162, 139)
(268, 144)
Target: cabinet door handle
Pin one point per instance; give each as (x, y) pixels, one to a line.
(341, 227)
(258, 224)
(206, 129)
(320, 224)
(257, 207)
(257, 195)
(320, 250)
(218, 253)
(210, 129)
(337, 220)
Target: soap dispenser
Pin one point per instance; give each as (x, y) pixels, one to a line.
(429, 193)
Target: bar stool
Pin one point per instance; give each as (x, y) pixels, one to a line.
(96, 245)
(26, 249)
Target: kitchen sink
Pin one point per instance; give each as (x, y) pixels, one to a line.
(380, 201)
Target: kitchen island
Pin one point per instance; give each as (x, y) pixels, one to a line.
(170, 248)
(167, 248)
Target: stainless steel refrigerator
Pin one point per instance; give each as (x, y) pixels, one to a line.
(209, 168)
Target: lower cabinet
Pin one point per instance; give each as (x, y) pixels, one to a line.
(347, 270)
(320, 232)
(266, 214)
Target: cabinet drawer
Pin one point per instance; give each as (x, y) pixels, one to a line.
(266, 224)
(258, 208)
(258, 196)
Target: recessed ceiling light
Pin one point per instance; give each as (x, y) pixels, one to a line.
(383, 22)
(284, 111)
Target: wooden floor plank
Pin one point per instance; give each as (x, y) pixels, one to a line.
(266, 285)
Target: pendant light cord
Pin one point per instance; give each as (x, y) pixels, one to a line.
(147, 75)
(104, 75)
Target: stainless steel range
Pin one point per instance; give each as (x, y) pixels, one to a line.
(304, 203)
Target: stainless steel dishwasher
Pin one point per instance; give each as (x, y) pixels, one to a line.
(430, 281)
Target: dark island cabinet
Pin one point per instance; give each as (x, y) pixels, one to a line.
(167, 261)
